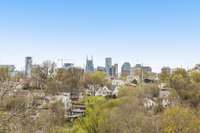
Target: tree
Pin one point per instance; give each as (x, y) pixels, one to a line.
(95, 79)
(42, 74)
(180, 80)
(4, 74)
(188, 91)
(18, 76)
(57, 112)
(165, 76)
(71, 79)
(195, 76)
(99, 78)
(181, 120)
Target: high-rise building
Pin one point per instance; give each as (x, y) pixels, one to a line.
(115, 70)
(89, 65)
(28, 67)
(126, 69)
(108, 66)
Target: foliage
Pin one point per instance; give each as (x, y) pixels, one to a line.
(97, 78)
(125, 91)
(165, 76)
(57, 112)
(71, 79)
(5, 74)
(12, 103)
(195, 76)
(98, 109)
(152, 90)
(181, 120)
(188, 91)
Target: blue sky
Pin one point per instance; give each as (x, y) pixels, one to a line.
(153, 32)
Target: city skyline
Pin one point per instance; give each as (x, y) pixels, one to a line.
(89, 65)
(154, 33)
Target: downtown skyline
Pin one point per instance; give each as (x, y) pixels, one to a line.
(60, 62)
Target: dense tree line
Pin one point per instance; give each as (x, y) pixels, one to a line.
(126, 114)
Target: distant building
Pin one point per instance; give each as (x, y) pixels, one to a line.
(142, 73)
(89, 65)
(68, 65)
(11, 69)
(102, 69)
(147, 69)
(136, 69)
(28, 67)
(115, 70)
(126, 69)
(166, 70)
(197, 67)
(139, 69)
(108, 66)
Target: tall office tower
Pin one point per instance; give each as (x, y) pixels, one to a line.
(108, 66)
(28, 67)
(115, 70)
(126, 69)
(89, 65)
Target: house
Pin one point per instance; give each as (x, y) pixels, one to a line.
(149, 103)
(164, 93)
(118, 82)
(115, 92)
(103, 91)
(63, 97)
(77, 111)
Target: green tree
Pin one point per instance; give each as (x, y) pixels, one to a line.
(5, 74)
(96, 79)
(165, 76)
(70, 79)
(57, 112)
(181, 120)
(195, 76)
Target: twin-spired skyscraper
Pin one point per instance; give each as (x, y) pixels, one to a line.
(89, 65)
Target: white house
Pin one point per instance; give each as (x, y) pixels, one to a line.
(103, 92)
(149, 103)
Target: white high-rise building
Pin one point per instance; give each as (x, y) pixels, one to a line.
(28, 67)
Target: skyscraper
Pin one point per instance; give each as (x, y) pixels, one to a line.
(89, 65)
(115, 70)
(28, 67)
(108, 66)
(126, 69)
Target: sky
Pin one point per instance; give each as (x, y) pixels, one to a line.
(151, 32)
